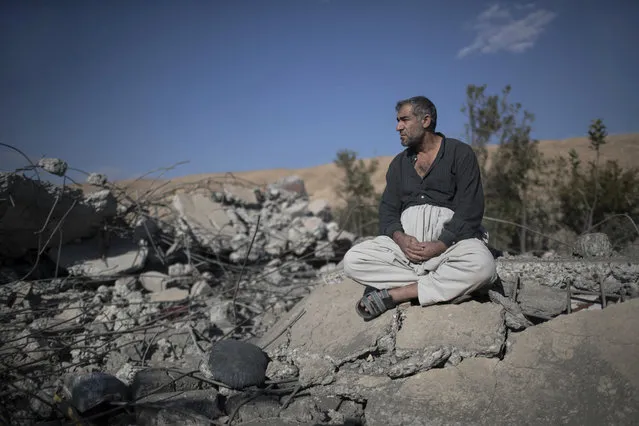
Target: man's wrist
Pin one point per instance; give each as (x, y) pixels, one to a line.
(397, 234)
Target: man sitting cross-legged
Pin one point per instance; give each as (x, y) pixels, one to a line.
(431, 246)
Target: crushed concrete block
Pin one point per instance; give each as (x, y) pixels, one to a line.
(458, 395)
(154, 281)
(314, 369)
(103, 203)
(430, 358)
(321, 209)
(55, 166)
(540, 300)
(33, 214)
(206, 219)
(469, 329)
(330, 326)
(575, 367)
(241, 195)
(91, 258)
(97, 179)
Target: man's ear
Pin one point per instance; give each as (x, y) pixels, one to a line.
(426, 121)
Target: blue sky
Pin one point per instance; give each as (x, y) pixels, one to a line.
(124, 87)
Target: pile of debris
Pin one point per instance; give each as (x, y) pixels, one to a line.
(101, 281)
(225, 302)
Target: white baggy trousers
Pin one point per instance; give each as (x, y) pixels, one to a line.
(463, 268)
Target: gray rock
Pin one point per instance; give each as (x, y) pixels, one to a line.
(96, 179)
(87, 391)
(542, 301)
(55, 166)
(515, 319)
(103, 203)
(593, 245)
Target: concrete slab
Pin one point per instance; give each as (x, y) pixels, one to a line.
(468, 329)
(330, 327)
(89, 258)
(207, 219)
(576, 369)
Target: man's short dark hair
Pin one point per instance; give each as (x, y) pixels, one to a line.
(422, 106)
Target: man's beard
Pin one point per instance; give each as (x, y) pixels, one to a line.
(412, 141)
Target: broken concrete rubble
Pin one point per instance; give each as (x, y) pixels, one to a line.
(55, 166)
(91, 258)
(35, 212)
(198, 283)
(576, 367)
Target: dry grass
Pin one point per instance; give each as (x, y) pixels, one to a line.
(321, 180)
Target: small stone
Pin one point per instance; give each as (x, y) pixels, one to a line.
(55, 166)
(97, 179)
(125, 285)
(180, 270)
(595, 244)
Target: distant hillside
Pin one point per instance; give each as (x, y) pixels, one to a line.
(321, 180)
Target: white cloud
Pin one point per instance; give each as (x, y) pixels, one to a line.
(509, 29)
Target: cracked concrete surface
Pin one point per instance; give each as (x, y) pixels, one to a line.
(575, 369)
(457, 364)
(330, 335)
(330, 327)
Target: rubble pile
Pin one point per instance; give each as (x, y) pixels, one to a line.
(98, 281)
(224, 302)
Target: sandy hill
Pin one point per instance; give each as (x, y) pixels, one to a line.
(321, 180)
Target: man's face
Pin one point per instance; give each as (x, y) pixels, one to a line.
(411, 130)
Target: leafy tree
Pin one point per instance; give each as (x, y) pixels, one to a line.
(598, 195)
(516, 166)
(597, 134)
(360, 211)
(484, 119)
